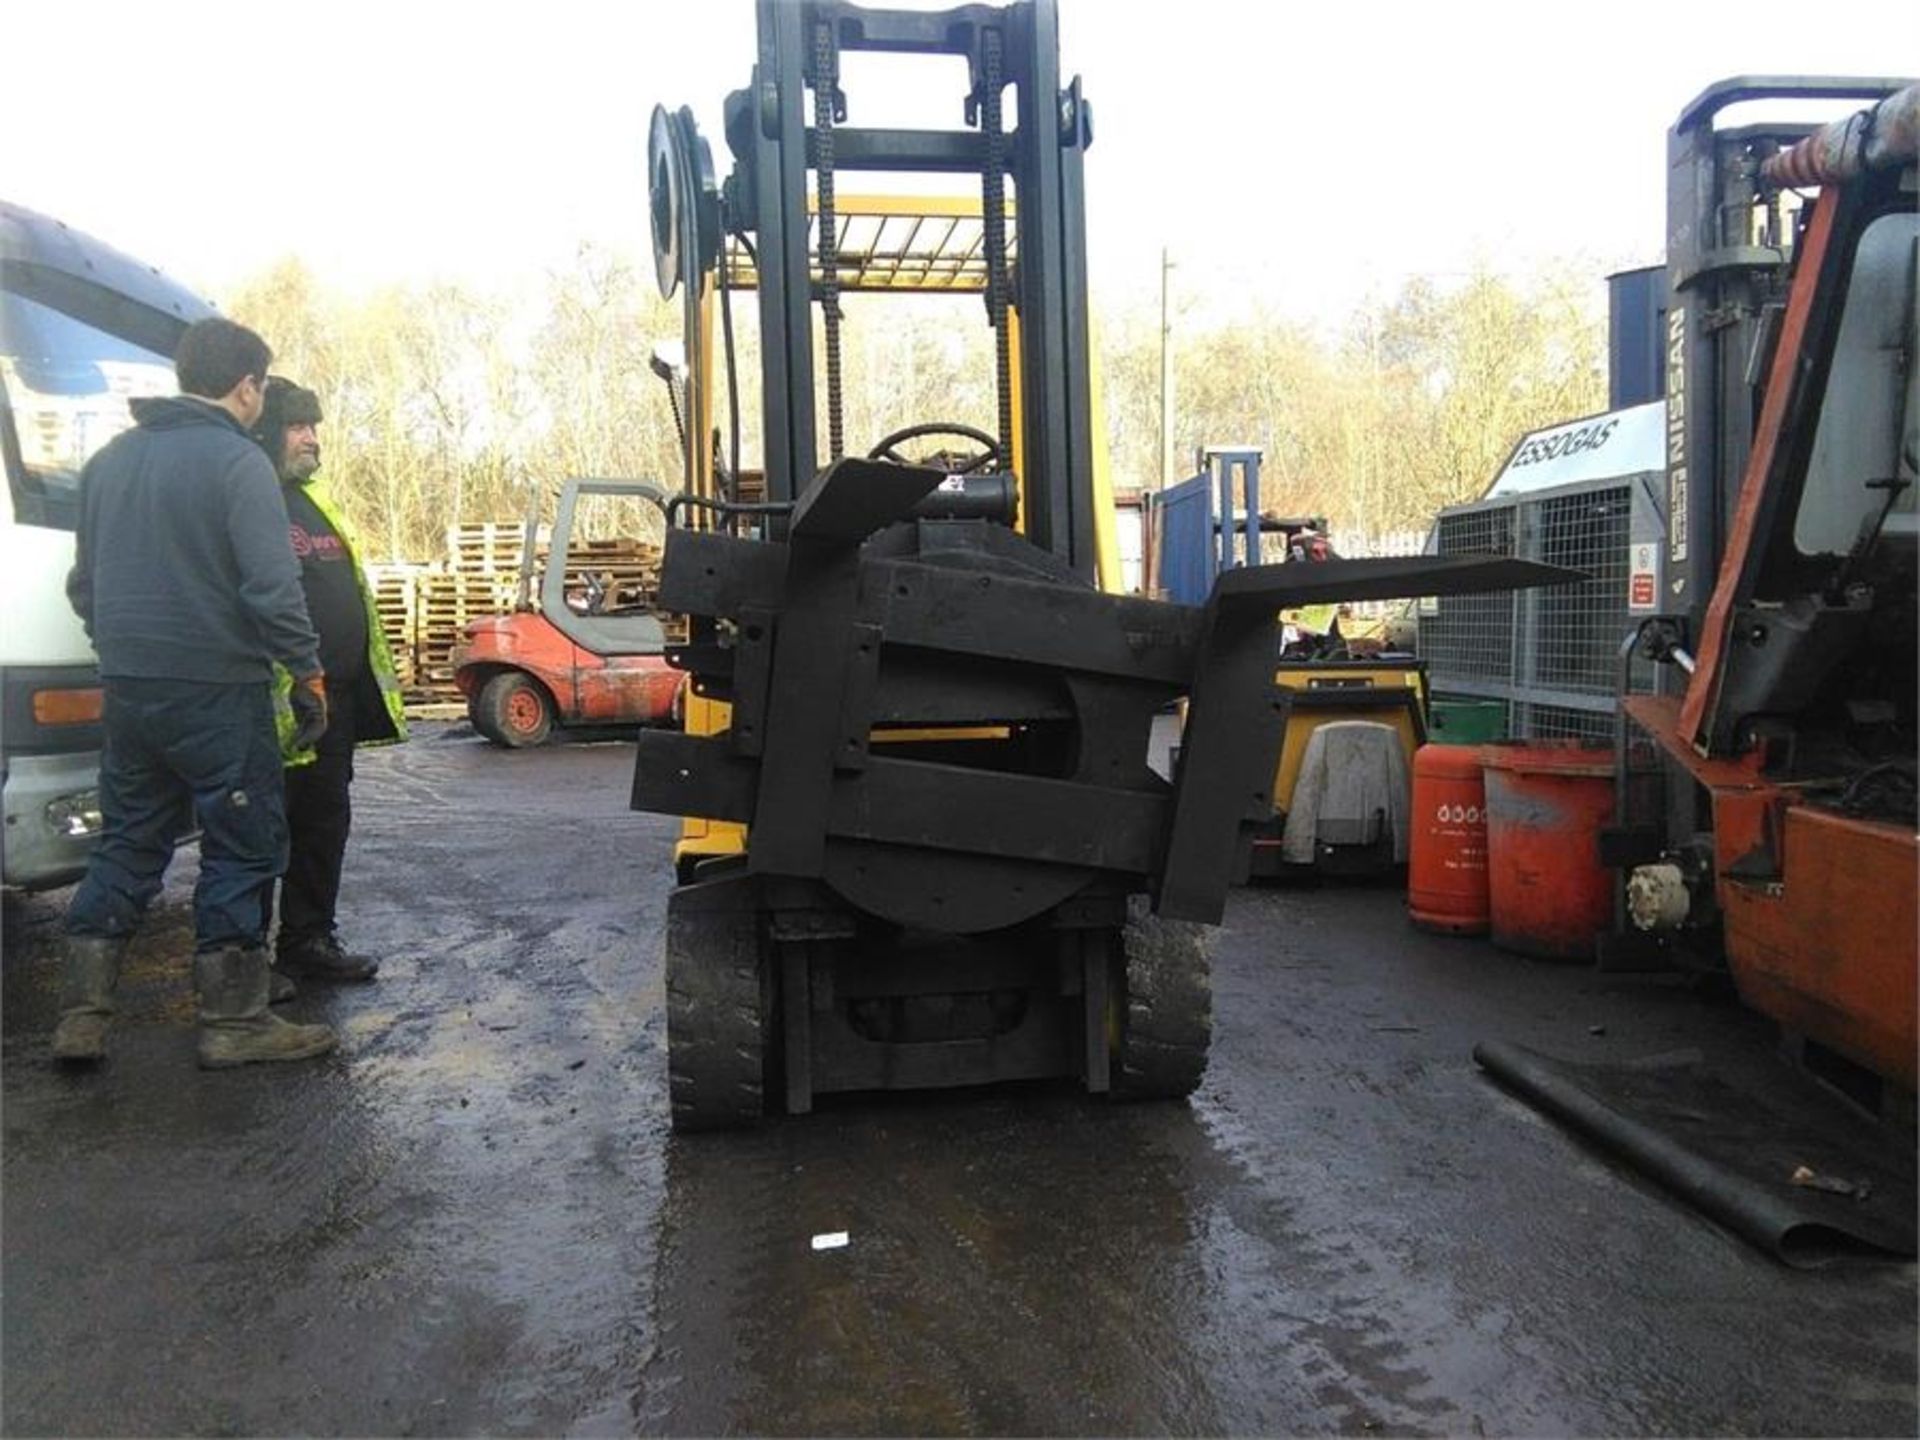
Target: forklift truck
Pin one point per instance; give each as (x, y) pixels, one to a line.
(588, 654)
(1767, 778)
(958, 865)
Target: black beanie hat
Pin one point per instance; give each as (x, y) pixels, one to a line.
(286, 404)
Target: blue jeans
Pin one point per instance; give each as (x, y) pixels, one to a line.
(180, 754)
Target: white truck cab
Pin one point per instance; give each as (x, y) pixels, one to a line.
(84, 330)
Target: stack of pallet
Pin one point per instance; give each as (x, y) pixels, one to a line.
(476, 577)
(448, 599)
(489, 548)
(629, 570)
(396, 594)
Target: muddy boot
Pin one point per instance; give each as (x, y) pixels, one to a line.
(86, 998)
(321, 958)
(235, 1028)
(279, 987)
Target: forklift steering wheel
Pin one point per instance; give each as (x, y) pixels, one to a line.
(989, 458)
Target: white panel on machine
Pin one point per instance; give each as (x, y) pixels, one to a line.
(1600, 447)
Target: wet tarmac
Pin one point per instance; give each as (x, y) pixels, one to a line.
(475, 1218)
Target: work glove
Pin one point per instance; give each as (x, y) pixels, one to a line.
(309, 710)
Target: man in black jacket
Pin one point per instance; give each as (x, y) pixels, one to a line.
(189, 590)
(363, 698)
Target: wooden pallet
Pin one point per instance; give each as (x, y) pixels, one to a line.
(489, 546)
(628, 568)
(394, 597)
(447, 600)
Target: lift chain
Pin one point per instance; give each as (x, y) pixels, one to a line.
(826, 86)
(994, 235)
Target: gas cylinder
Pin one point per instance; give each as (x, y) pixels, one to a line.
(1447, 856)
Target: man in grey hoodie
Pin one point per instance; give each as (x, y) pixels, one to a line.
(190, 591)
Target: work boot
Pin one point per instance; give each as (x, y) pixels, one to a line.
(92, 968)
(235, 1028)
(321, 958)
(280, 988)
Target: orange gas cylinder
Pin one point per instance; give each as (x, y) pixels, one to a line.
(1548, 893)
(1447, 852)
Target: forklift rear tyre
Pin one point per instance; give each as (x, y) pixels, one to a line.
(719, 1014)
(512, 710)
(1167, 1014)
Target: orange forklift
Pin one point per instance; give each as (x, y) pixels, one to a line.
(591, 654)
(1767, 773)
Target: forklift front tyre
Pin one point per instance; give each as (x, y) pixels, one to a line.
(1166, 1026)
(513, 711)
(721, 1013)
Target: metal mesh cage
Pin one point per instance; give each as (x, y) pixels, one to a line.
(1577, 628)
(1469, 638)
(1551, 654)
(1533, 721)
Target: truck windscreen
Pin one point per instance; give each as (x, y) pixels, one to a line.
(67, 385)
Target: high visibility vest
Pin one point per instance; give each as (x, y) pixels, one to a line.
(1317, 618)
(379, 657)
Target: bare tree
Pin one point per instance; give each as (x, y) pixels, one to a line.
(446, 406)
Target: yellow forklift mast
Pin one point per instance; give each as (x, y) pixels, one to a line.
(906, 245)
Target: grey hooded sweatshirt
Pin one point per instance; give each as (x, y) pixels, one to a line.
(183, 569)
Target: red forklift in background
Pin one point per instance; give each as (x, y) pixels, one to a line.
(1767, 786)
(590, 654)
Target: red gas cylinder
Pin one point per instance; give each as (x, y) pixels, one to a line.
(1546, 804)
(1447, 852)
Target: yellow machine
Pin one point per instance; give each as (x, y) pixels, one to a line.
(1321, 692)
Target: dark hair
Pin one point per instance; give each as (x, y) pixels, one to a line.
(216, 355)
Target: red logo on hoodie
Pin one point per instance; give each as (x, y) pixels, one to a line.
(316, 547)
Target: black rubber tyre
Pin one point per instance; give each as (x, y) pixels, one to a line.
(477, 714)
(1166, 1022)
(719, 1012)
(512, 710)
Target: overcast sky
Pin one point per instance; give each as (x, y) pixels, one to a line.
(1311, 154)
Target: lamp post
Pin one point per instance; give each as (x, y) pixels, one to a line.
(1166, 371)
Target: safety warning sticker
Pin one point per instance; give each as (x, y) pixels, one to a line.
(1642, 579)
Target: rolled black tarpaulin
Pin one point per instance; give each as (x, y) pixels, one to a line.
(1729, 1153)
